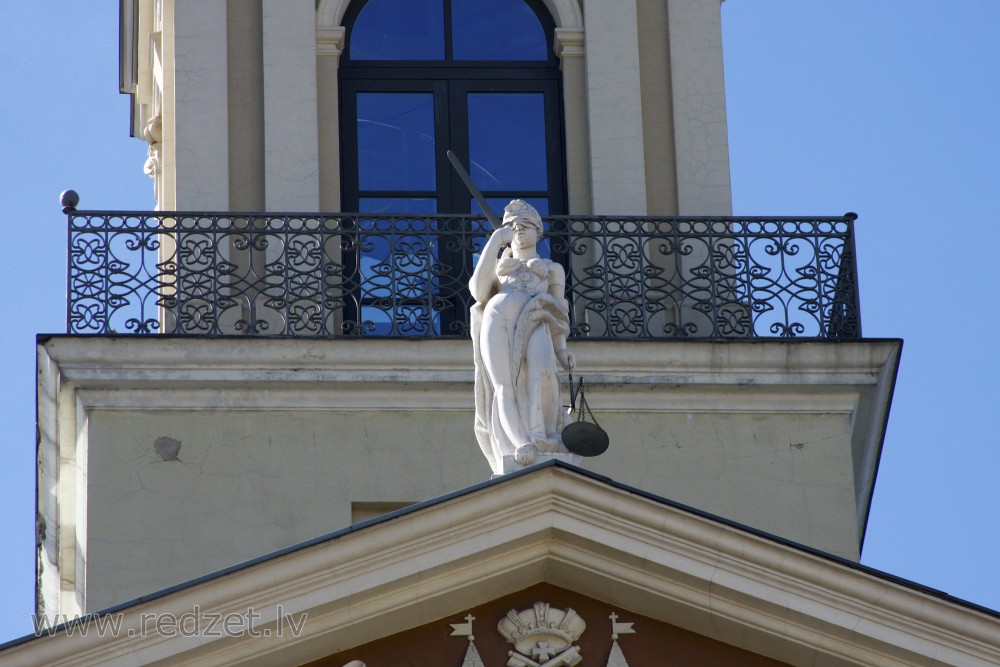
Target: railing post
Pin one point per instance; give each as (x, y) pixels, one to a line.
(68, 200)
(849, 264)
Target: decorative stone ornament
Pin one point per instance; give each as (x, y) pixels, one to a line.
(153, 134)
(472, 658)
(542, 636)
(617, 658)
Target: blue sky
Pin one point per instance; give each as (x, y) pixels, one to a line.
(885, 108)
(889, 109)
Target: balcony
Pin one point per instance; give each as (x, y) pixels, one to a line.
(351, 274)
(703, 341)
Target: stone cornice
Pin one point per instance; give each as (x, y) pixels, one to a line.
(93, 360)
(569, 42)
(330, 41)
(353, 374)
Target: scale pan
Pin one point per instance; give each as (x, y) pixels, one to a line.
(585, 439)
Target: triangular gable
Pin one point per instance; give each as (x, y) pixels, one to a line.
(561, 526)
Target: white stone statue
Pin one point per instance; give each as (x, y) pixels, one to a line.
(519, 326)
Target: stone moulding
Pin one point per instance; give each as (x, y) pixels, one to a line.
(566, 13)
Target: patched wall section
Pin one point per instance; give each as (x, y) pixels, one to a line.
(247, 483)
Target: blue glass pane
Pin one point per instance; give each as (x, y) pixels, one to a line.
(399, 30)
(401, 205)
(498, 204)
(400, 321)
(396, 141)
(496, 30)
(507, 141)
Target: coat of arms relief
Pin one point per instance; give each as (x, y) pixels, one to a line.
(541, 636)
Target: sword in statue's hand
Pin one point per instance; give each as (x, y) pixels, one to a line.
(476, 194)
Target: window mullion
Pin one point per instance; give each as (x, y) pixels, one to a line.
(448, 52)
(554, 149)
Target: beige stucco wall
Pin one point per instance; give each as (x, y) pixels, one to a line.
(280, 437)
(657, 107)
(249, 482)
(291, 146)
(246, 105)
(699, 108)
(785, 473)
(614, 108)
(198, 136)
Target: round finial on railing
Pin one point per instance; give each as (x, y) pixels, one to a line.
(69, 199)
(851, 215)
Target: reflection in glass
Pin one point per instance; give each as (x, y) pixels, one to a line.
(507, 141)
(496, 30)
(396, 141)
(498, 204)
(397, 264)
(399, 30)
(400, 205)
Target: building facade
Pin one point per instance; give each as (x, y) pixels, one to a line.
(260, 368)
(241, 102)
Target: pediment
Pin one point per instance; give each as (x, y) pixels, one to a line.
(569, 530)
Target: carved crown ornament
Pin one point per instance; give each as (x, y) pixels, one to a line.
(541, 636)
(543, 633)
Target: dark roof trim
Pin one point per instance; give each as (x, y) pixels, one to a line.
(128, 55)
(128, 50)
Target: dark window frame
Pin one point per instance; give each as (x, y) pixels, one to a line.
(544, 18)
(450, 81)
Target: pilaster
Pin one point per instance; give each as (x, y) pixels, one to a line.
(200, 106)
(699, 106)
(291, 160)
(615, 108)
(569, 46)
(329, 46)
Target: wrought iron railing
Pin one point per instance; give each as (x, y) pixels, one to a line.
(305, 275)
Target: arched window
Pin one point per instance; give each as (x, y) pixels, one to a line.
(420, 77)
(479, 77)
